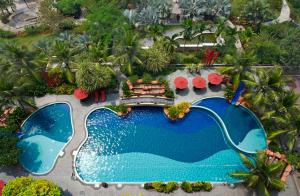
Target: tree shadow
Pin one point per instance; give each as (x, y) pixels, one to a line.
(14, 171)
(66, 193)
(29, 155)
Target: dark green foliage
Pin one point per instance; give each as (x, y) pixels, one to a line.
(126, 90)
(186, 187)
(147, 78)
(133, 78)
(118, 108)
(64, 89)
(37, 90)
(159, 186)
(229, 93)
(29, 186)
(69, 8)
(171, 187)
(202, 186)
(294, 159)
(33, 30)
(15, 119)
(6, 34)
(9, 153)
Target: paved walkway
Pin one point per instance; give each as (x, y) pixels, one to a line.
(190, 94)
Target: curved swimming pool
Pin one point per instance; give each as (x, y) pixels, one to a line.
(46, 132)
(146, 146)
(243, 126)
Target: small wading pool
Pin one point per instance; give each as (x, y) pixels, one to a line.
(145, 146)
(46, 132)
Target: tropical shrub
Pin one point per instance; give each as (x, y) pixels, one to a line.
(202, 186)
(64, 89)
(156, 58)
(91, 77)
(15, 119)
(171, 187)
(126, 90)
(30, 186)
(183, 107)
(159, 186)
(69, 8)
(148, 186)
(9, 153)
(294, 159)
(133, 78)
(229, 93)
(48, 15)
(173, 112)
(186, 187)
(118, 108)
(147, 78)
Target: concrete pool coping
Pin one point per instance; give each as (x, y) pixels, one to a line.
(61, 152)
(226, 138)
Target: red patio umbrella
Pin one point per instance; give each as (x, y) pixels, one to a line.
(80, 94)
(181, 82)
(199, 82)
(215, 78)
(2, 184)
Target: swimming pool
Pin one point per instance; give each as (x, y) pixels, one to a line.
(245, 129)
(46, 132)
(145, 146)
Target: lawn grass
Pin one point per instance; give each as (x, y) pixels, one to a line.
(28, 40)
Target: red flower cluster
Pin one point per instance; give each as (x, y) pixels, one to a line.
(51, 80)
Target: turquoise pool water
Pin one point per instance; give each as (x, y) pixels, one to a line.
(145, 146)
(46, 132)
(244, 128)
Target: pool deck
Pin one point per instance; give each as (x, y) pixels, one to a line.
(62, 172)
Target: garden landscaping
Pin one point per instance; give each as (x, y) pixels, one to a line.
(90, 54)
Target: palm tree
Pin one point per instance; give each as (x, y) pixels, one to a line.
(241, 67)
(13, 93)
(198, 31)
(262, 175)
(170, 43)
(264, 87)
(20, 59)
(127, 50)
(187, 33)
(155, 31)
(283, 120)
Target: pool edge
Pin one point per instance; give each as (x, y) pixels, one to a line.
(66, 144)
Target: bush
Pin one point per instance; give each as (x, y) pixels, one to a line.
(207, 186)
(118, 108)
(126, 90)
(173, 112)
(186, 187)
(170, 187)
(169, 93)
(6, 34)
(64, 89)
(37, 90)
(15, 119)
(159, 186)
(133, 78)
(147, 78)
(69, 8)
(33, 30)
(9, 153)
(294, 159)
(183, 107)
(29, 186)
(66, 24)
(148, 186)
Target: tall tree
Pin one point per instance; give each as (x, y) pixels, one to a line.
(127, 50)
